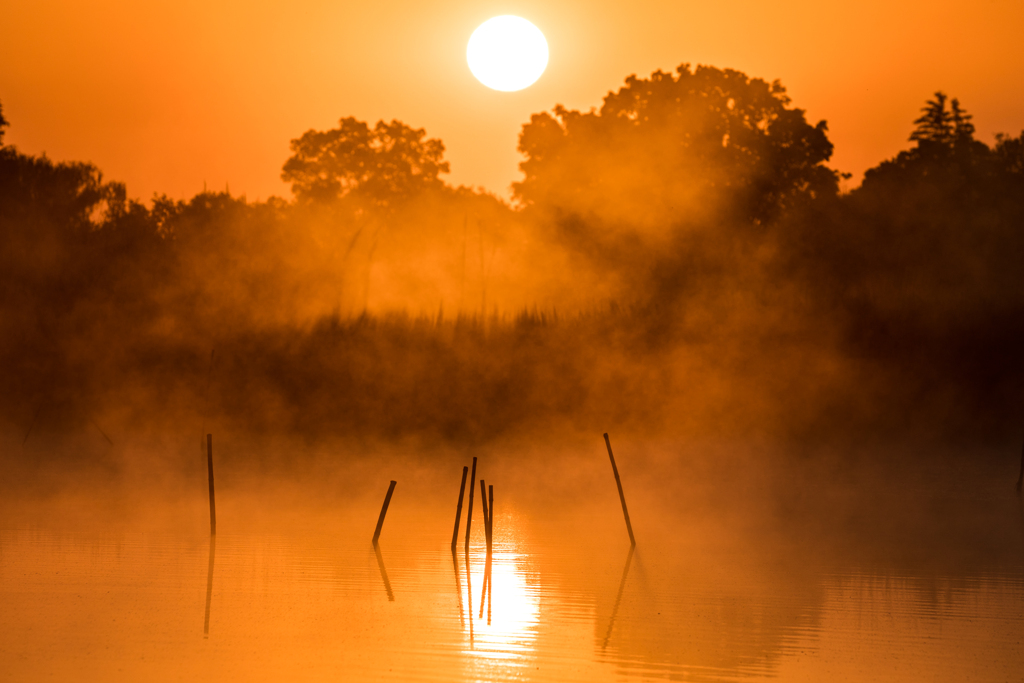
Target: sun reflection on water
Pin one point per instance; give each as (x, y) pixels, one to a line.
(501, 605)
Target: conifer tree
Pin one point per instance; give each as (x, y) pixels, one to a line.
(963, 129)
(3, 124)
(935, 123)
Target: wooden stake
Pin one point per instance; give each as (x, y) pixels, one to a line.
(487, 515)
(490, 515)
(384, 511)
(1020, 479)
(209, 466)
(469, 510)
(622, 496)
(458, 508)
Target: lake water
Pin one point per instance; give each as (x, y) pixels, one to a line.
(562, 598)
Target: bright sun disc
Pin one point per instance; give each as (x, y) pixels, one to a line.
(507, 53)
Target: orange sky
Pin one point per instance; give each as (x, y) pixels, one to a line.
(168, 95)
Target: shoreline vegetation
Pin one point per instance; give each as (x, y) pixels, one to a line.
(679, 262)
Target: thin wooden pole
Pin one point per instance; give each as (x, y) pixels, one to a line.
(1020, 479)
(209, 466)
(490, 516)
(487, 515)
(469, 510)
(458, 508)
(384, 511)
(622, 496)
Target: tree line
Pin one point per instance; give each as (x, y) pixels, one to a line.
(689, 230)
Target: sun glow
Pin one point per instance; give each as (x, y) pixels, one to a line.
(507, 53)
(502, 608)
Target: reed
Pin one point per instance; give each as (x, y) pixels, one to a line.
(622, 496)
(458, 508)
(384, 511)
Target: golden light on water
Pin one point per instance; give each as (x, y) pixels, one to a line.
(502, 609)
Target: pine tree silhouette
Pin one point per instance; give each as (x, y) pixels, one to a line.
(3, 124)
(963, 129)
(936, 123)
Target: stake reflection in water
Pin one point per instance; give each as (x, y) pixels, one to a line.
(618, 597)
(488, 589)
(458, 585)
(209, 586)
(469, 587)
(483, 590)
(383, 572)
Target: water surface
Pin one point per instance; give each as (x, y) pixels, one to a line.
(708, 594)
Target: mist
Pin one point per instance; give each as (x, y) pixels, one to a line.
(678, 263)
(796, 378)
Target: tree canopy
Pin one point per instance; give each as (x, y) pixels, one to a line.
(382, 165)
(699, 143)
(929, 246)
(699, 199)
(944, 161)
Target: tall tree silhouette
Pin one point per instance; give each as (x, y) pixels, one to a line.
(701, 140)
(382, 165)
(935, 125)
(924, 257)
(1010, 152)
(963, 129)
(672, 175)
(946, 156)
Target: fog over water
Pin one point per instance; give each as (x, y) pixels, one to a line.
(742, 570)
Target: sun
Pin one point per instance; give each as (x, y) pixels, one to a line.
(507, 53)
